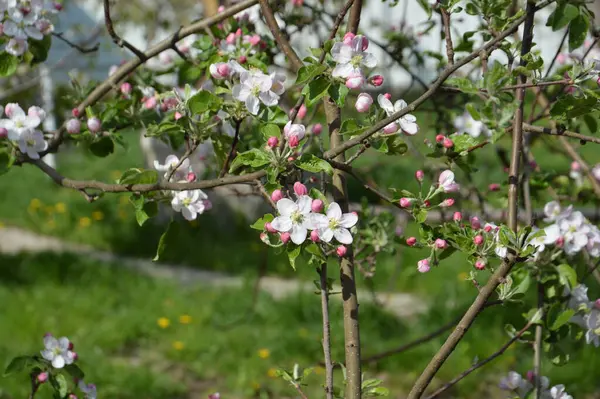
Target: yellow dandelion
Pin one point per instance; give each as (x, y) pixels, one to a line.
(185, 319)
(97, 216)
(60, 207)
(178, 345)
(163, 322)
(85, 221)
(264, 353)
(124, 200)
(303, 332)
(35, 204)
(463, 276)
(272, 372)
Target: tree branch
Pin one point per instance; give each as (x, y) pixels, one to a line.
(354, 17)
(78, 47)
(448, 35)
(537, 346)
(231, 154)
(118, 40)
(559, 132)
(326, 331)
(283, 44)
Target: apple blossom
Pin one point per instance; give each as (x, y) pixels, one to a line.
(126, 88)
(355, 81)
(457, 217)
(448, 143)
(220, 70)
(94, 125)
(31, 142)
(558, 392)
(376, 80)
(466, 124)
(405, 202)
(73, 126)
(57, 351)
(88, 389)
(423, 266)
(190, 203)
(172, 162)
(411, 241)
(440, 243)
(363, 102)
(254, 88)
(516, 383)
(294, 218)
(300, 189)
(16, 46)
(350, 57)
(419, 175)
(448, 202)
(335, 224)
(408, 122)
(42, 377)
(273, 142)
(480, 264)
(19, 122)
(446, 182)
(478, 239)
(439, 138)
(341, 251)
(317, 206)
(317, 129)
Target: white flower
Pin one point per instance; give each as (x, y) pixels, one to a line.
(19, 123)
(295, 129)
(550, 235)
(32, 142)
(277, 86)
(57, 351)
(446, 182)
(88, 389)
(553, 211)
(408, 123)
(574, 230)
(190, 203)
(593, 245)
(466, 124)
(579, 298)
(516, 383)
(558, 392)
(16, 46)
(592, 323)
(254, 88)
(170, 163)
(350, 57)
(335, 224)
(294, 217)
(20, 24)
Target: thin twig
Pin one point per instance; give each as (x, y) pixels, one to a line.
(118, 40)
(283, 44)
(264, 193)
(358, 153)
(231, 154)
(354, 17)
(448, 35)
(537, 345)
(78, 47)
(326, 331)
(559, 132)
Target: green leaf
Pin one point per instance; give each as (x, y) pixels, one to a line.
(421, 216)
(314, 164)
(313, 249)
(463, 142)
(309, 72)
(103, 147)
(392, 145)
(560, 319)
(293, 251)
(473, 111)
(561, 17)
(315, 90)
(203, 101)
(463, 84)
(74, 371)
(338, 93)
(578, 30)
(147, 211)
(5, 162)
(59, 383)
(138, 176)
(162, 243)
(18, 364)
(270, 130)
(568, 107)
(260, 223)
(351, 127)
(254, 158)
(39, 49)
(590, 122)
(8, 64)
(567, 275)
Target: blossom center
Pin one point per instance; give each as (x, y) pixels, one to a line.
(334, 223)
(255, 91)
(187, 201)
(356, 60)
(297, 217)
(30, 142)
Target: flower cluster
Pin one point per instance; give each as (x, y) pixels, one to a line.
(190, 203)
(23, 128)
(465, 124)
(296, 218)
(588, 313)
(351, 57)
(408, 123)
(26, 19)
(522, 387)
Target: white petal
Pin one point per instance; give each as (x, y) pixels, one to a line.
(341, 53)
(400, 105)
(58, 362)
(10, 28)
(385, 104)
(34, 33)
(189, 213)
(50, 342)
(240, 92)
(298, 234)
(47, 354)
(369, 60)
(343, 236)
(409, 127)
(348, 220)
(325, 234)
(269, 98)
(342, 70)
(252, 104)
(304, 204)
(282, 224)
(286, 206)
(334, 211)
(320, 221)
(63, 344)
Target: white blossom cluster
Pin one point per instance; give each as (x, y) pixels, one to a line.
(26, 19)
(22, 128)
(588, 313)
(522, 387)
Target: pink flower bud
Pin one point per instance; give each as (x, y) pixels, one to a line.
(475, 223)
(126, 88)
(74, 112)
(297, 3)
(439, 138)
(230, 39)
(478, 239)
(301, 112)
(448, 202)
(457, 217)
(58, 6)
(71, 346)
(364, 42)
(560, 241)
(317, 206)
(376, 80)
(341, 251)
(177, 115)
(273, 142)
(480, 264)
(314, 236)
(313, 179)
(427, 203)
(423, 266)
(264, 237)
(75, 356)
(348, 38)
(488, 227)
(411, 241)
(530, 376)
(238, 32)
(242, 59)
(419, 175)
(575, 166)
(291, 159)
(440, 244)
(391, 128)
(285, 237)
(388, 96)
(151, 103)
(269, 227)
(405, 202)
(207, 204)
(73, 126)
(363, 102)
(293, 141)
(190, 177)
(561, 58)
(494, 187)
(317, 129)
(42, 377)
(597, 303)
(3, 133)
(223, 69)
(276, 195)
(94, 125)
(448, 143)
(300, 189)
(355, 81)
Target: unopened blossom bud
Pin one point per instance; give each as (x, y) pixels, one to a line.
(575, 166)
(411, 241)
(42, 377)
(317, 206)
(207, 204)
(300, 189)
(419, 175)
(126, 88)
(314, 236)
(220, 70)
(313, 179)
(478, 239)
(151, 103)
(560, 241)
(297, 3)
(291, 159)
(480, 264)
(238, 32)
(597, 303)
(74, 112)
(254, 40)
(264, 237)
(269, 228)
(388, 96)
(448, 143)
(230, 39)
(285, 237)
(71, 346)
(72, 396)
(440, 244)
(317, 129)
(405, 202)
(457, 217)
(301, 112)
(293, 141)
(178, 115)
(94, 125)
(242, 59)
(488, 227)
(475, 223)
(58, 6)
(75, 356)
(439, 138)
(73, 126)
(190, 177)
(423, 266)
(427, 203)
(3, 133)
(530, 375)
(391, 128)
(341, 251)
(355, 81)
(273, 142)
(348, 37)
(448, 202)
(364, 42)
(494, 187)
(363, 102)
(561, 58)
(276, 195)
(376, 80)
